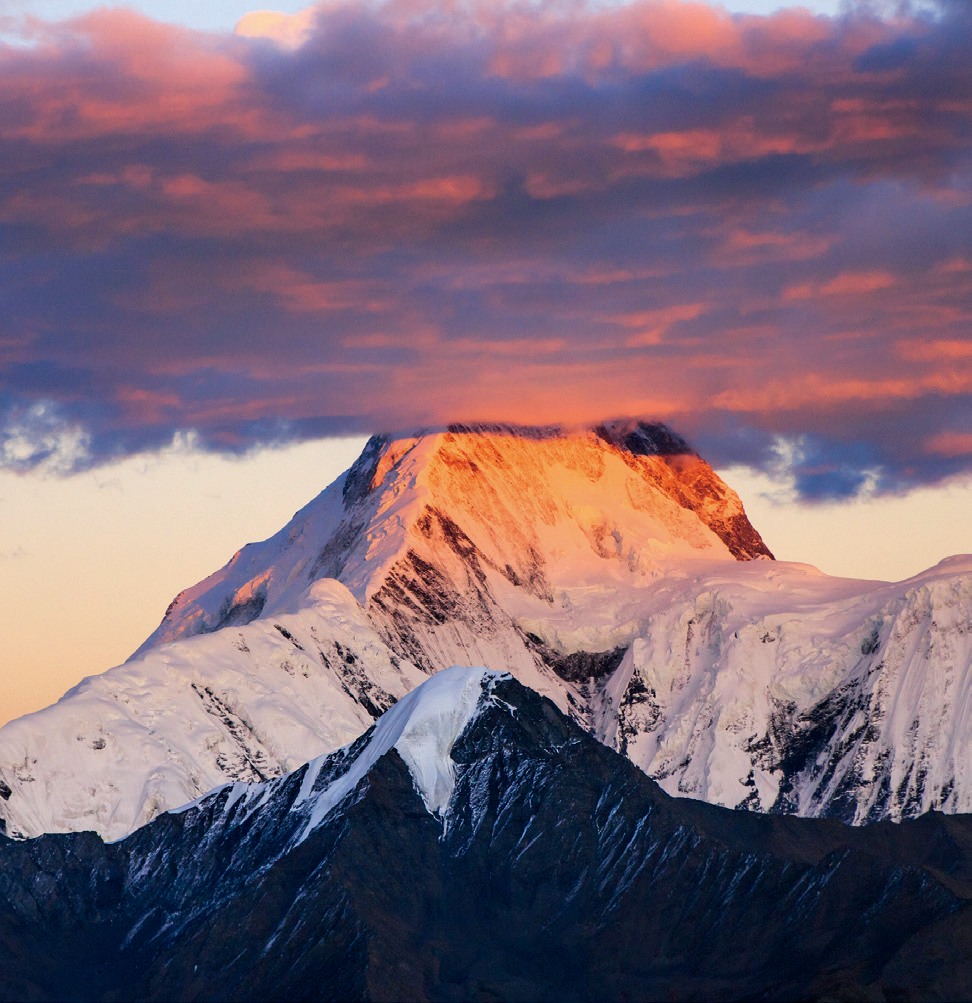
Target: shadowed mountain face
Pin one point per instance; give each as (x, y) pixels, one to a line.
(558, 870)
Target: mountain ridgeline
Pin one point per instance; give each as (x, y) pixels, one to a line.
(553, 869)
(609, 569)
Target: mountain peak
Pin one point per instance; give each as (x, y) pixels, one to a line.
(422, 727)
(532, 508)
(651, 449)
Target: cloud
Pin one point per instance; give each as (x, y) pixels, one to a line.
(375, 215)
(38, 436)
(288, 30)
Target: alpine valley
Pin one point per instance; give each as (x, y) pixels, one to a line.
(508, 713)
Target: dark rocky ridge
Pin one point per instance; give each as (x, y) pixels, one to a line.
(690, 481)
(563, 872)
(642, 438)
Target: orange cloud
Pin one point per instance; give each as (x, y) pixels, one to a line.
(937, 350)
(288, 30)
(652, 325)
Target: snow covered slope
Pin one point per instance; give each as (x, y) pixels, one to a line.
(609, 569)
(775, 687)
(247, 704)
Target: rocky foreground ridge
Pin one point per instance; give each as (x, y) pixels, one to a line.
(609, 569)
(477, 844)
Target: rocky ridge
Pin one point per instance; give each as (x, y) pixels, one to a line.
(551, 869)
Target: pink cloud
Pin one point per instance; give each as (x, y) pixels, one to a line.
(951, 444)
(857, 284)
(371, 214)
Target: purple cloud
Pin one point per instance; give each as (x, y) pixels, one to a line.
(750, 227)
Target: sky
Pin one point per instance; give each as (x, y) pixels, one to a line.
(228, 236)
(89, 563)
(224, 15)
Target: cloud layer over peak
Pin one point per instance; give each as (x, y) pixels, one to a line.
(756, 228)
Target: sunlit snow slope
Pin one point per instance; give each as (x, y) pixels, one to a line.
(608, 568)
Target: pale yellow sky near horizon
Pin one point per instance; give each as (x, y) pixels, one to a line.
(88, 563)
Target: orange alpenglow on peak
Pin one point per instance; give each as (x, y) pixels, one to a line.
(524, 507)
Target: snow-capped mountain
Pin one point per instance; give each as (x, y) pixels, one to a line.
(466, 522)
(477, 844)
(784, 689)
(609, 569)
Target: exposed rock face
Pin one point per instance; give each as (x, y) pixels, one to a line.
(687, 478)
(600, 567)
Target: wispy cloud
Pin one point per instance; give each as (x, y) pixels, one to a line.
(385, 214)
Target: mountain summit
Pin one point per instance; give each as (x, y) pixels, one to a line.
(483, 512)
(607, 568)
